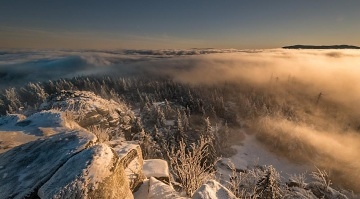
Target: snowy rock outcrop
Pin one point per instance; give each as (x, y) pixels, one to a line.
(49, 155)
(89, 109)
(213, 190)
(71, 165)
(25, 168)
(95, 172)
(42, 123)
(16, 129)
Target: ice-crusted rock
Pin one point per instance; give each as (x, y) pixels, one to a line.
(95, 172)
(89, 109)
(213, 190)
(25, 168)
(131, 158)
(158, 169)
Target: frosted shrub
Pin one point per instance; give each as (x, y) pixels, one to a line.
(269, 184)
(321, 177)
(188, 164)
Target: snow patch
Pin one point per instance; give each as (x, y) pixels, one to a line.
(156, 168)
(158, 189)
(252, 153)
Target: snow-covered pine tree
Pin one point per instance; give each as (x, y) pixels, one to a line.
(207, 132)
(185, 121)
(268, 187)
(160, 121)
(224, 136)
(156, 136)
(180, 133)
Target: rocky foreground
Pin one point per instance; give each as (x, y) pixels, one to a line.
(48, 155)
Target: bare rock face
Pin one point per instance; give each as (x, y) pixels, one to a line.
(25, 168)
(89, 109)
(95, 172)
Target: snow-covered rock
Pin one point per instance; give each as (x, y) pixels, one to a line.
(25, 168)
(158, 189)
(60, 159)
(17, 129)
(158, 169)
(89, 109)
(131, 158)
(213, 190)
(95, 172)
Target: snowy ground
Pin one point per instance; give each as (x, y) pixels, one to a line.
(250, 152)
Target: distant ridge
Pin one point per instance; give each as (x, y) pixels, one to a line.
(321, 47)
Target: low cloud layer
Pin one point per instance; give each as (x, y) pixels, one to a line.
(335, 73)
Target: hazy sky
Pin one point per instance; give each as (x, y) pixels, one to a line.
(152, 24)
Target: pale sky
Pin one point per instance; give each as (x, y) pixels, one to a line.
(110, 24)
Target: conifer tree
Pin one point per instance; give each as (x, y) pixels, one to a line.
(269, 185)
(179, 134)
(185, 121)
(160, 121)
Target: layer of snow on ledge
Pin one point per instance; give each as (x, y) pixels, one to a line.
(213, 190)
(155, 168)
